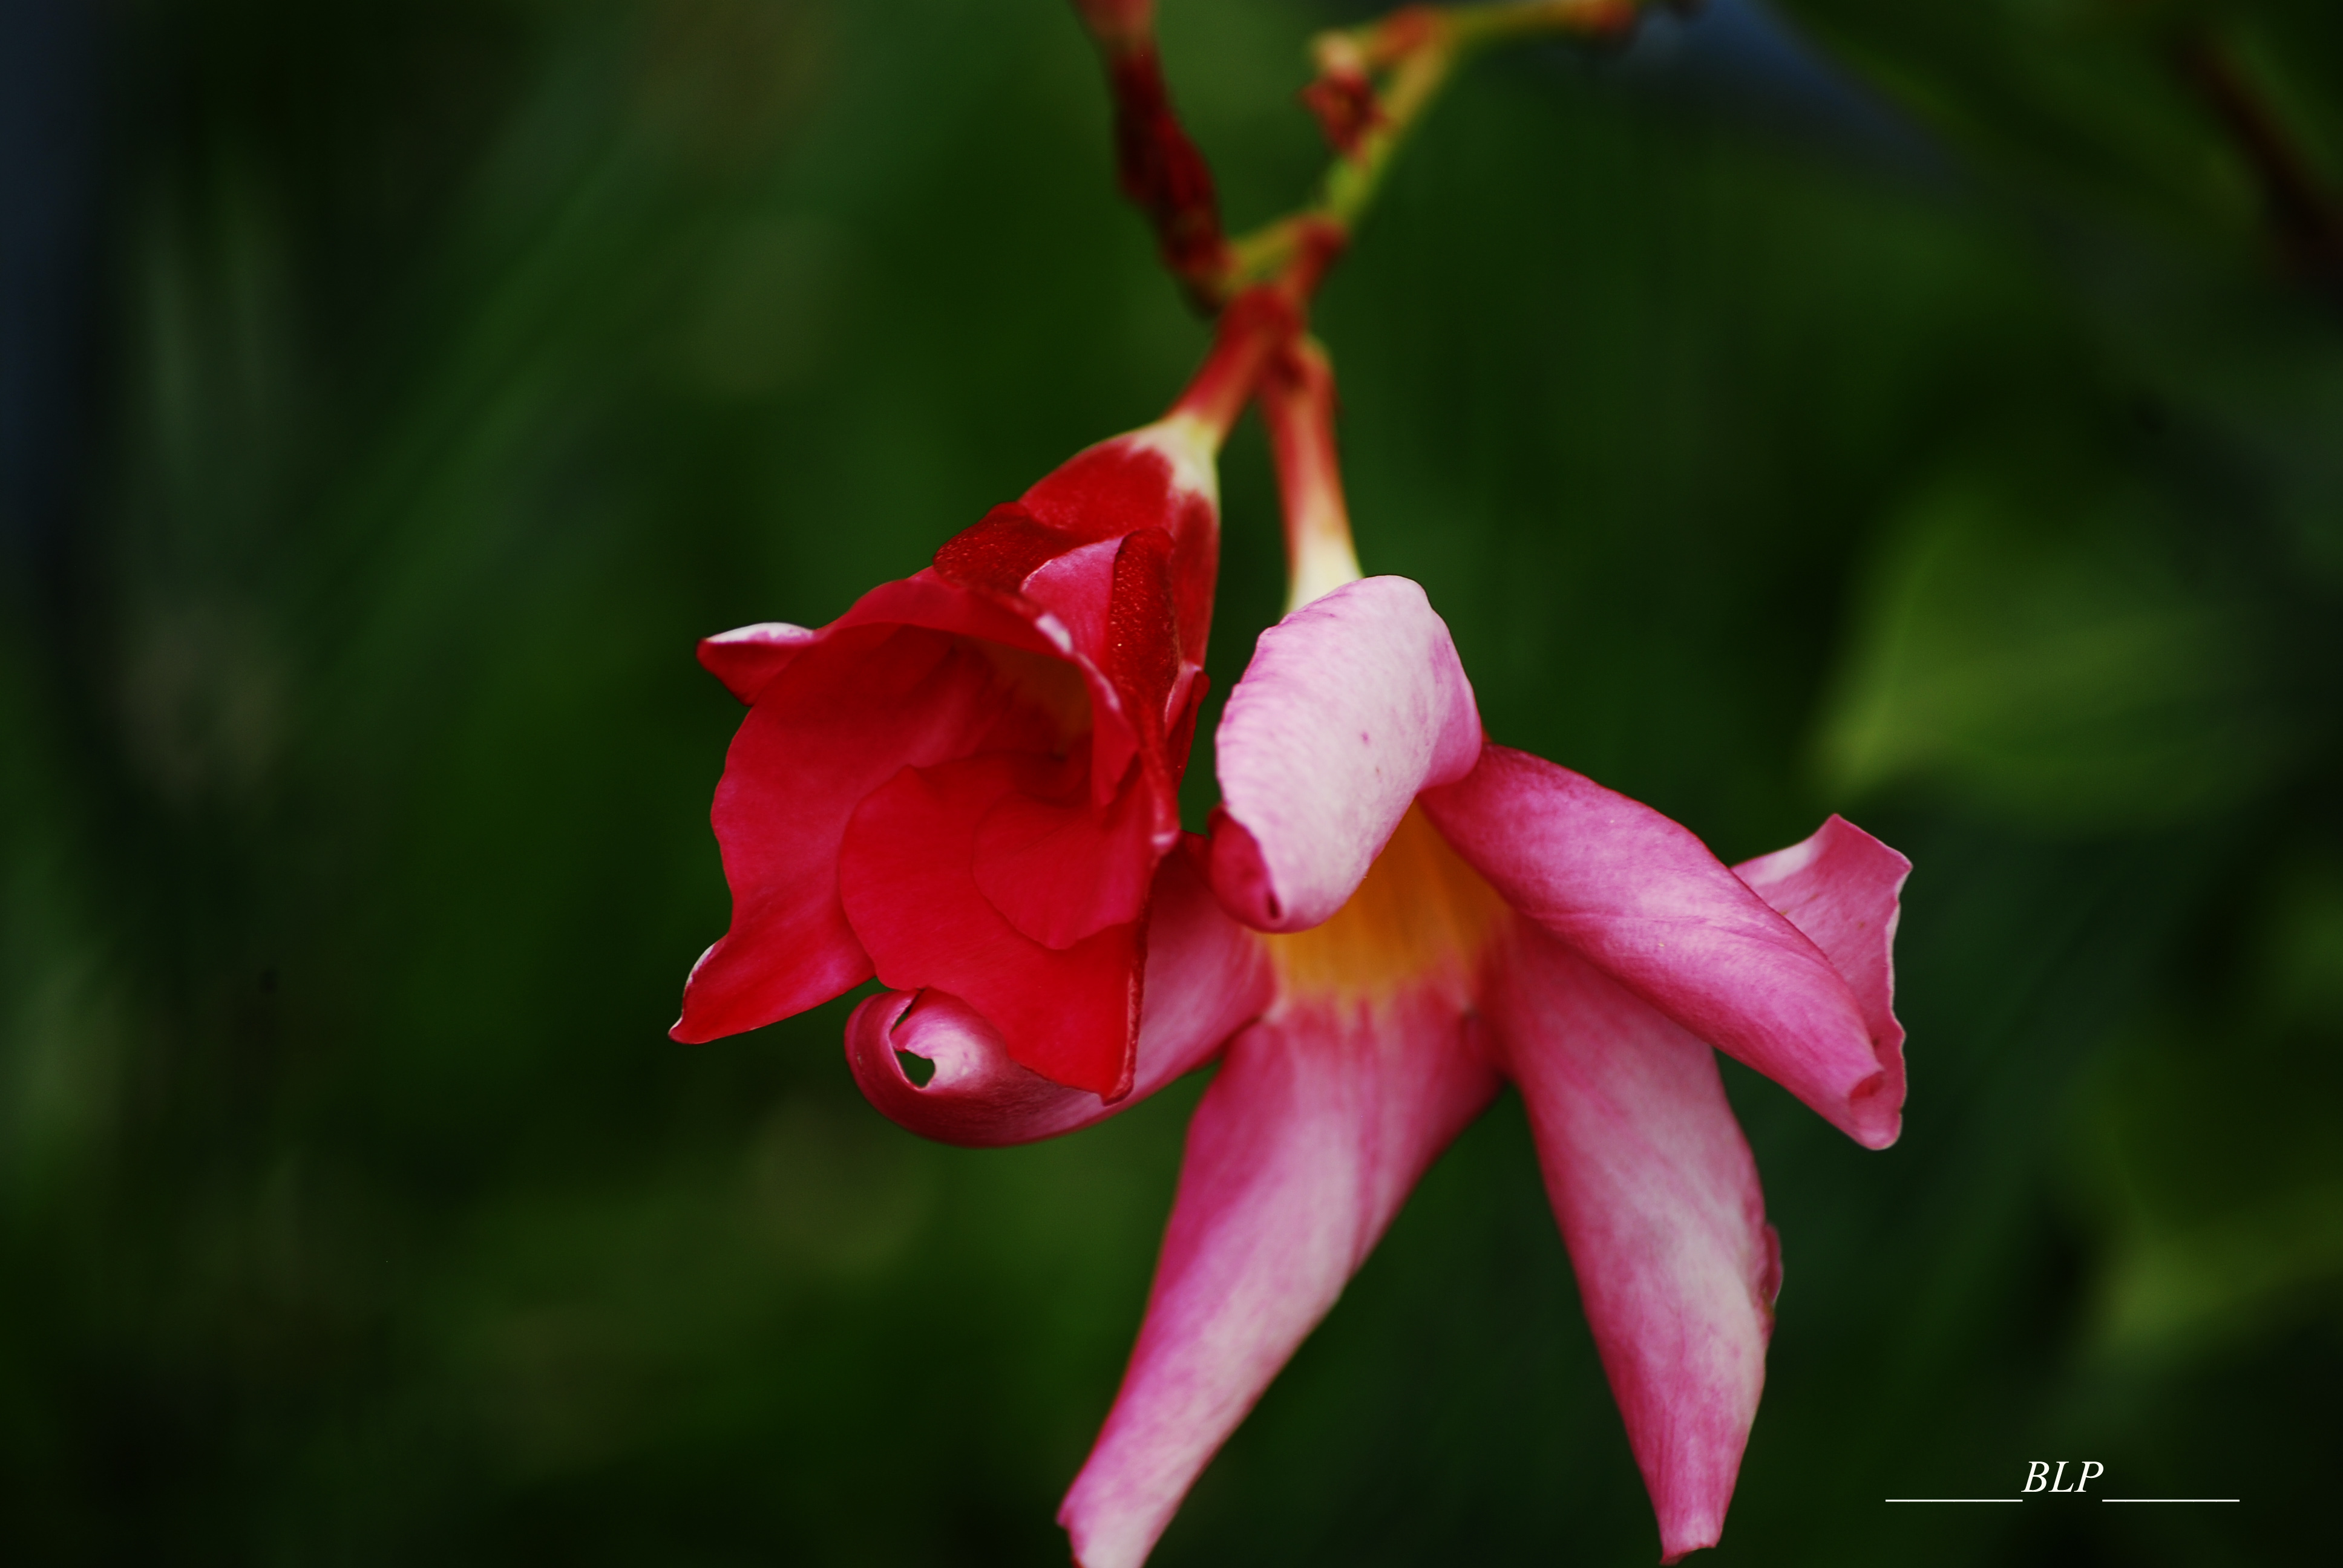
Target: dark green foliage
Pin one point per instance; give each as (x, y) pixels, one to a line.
(468, 361)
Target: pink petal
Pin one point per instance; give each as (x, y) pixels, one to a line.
(1351, 704)
(905, 873)
(1840, 886)
(1659, 1205)
(837, 722)
(1647, 903)
(1308, 1141)
(1207, 977)
(745, 659)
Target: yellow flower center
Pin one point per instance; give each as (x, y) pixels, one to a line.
(1422, 916)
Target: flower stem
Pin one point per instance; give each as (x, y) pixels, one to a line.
(1255, 325)
(1374, 83)
(1158, 168)
(1297, 402)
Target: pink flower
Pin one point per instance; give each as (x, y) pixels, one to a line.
(1419, 916)
(966, 782)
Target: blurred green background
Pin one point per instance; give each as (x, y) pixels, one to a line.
(1946, 435)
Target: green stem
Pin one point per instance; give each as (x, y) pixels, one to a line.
(1416, 50)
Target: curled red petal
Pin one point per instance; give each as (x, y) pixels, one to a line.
(745, 659)
(1207, 977)
(1074, 586)
(906, 875)
(1075, 591)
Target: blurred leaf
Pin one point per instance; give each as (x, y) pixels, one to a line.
(2029, 640)
(2212, 1136)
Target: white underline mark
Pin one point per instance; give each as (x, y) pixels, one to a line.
(1956, 1500)
(2170, 1500)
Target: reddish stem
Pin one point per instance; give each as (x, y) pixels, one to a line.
(1254, 326)
(1158, 168)
(1118, 23)
(1297, 403)
(1346, 108)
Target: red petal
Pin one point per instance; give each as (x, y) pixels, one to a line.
(1062, 870)
(1135, 482)
(745, 659)
(925, 599)
(905, 872)
(1105, 491)
(1077, 588)
(844, 716)
(1075, 585)
(1142, 654)
(1207, 977)
(1002, 551)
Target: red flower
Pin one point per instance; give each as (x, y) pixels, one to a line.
(967, 781)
